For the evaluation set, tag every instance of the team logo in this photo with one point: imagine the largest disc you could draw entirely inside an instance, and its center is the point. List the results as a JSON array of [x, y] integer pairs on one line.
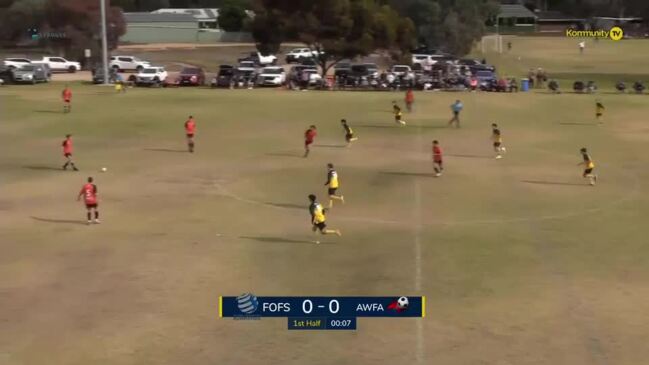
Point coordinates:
[[399, 305], [247, 303], [616, 33]]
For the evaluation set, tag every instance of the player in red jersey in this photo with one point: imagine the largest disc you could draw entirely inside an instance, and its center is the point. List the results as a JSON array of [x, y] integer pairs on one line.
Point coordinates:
[[66, 95], [89, 193], [190, 129], [67, 152], [437, 159], [309, 137]]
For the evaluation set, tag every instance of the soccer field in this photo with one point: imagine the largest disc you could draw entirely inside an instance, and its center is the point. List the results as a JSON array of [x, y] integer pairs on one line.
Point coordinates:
[[521, 261]]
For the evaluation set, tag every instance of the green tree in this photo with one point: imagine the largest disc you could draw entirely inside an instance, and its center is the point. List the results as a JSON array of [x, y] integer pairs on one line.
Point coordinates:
[[232, 16], [337, 29], [452, 25]]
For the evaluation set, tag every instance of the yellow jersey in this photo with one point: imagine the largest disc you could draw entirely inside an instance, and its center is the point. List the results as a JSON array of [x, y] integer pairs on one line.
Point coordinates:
[[496, 136], [588, 162], [332, 179], [317, 213]]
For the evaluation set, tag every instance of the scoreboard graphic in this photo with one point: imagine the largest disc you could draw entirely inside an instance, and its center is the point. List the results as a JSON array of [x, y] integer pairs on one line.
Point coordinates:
[[321, 313]]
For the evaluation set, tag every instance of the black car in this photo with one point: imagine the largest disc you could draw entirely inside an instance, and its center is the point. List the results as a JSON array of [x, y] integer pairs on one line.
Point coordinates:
[[6, 75], [225, 76], [342, 69]]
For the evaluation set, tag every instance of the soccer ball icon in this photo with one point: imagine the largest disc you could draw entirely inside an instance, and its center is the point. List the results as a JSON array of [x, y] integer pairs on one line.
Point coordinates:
[[402, 303]]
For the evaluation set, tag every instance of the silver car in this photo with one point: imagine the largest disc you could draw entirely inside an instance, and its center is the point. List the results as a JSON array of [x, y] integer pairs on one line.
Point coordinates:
[[30, 74]]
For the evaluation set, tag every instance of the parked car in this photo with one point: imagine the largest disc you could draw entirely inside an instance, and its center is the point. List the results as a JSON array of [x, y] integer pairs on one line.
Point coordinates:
[[403, 71], [61, 64], [6, 74], [128, 63], [271, 76], [191, 76], [151, 76], [225, 76], [29, 74], [248, 66], [294, 73], [342, 69], [258, 58], [314, 77], [486, 79], [373, 69], [298, 54], [98, 75], [12, 63], [46, 66]]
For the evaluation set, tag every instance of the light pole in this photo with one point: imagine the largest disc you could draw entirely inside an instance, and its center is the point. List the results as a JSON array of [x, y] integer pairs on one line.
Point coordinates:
[[104, 42]]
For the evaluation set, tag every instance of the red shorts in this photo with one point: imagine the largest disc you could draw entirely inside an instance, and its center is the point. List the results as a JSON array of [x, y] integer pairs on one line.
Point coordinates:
[[190, 135], [67, 101], [306, 143], [67, 154], [439, 161]]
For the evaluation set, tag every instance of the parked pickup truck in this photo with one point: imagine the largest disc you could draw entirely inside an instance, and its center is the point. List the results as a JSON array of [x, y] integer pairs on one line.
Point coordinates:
[[61, 64], [259, 59]]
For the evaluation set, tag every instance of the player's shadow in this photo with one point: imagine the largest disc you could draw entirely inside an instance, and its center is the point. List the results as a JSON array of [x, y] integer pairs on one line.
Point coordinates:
[[543, 182], [330, 145], [287, 205], [468, 156], [577, 123], [404, 173], [59, 221], [285, 154], [386, 126], [41, 168], [267, 239], [49, 111], [164, 150]]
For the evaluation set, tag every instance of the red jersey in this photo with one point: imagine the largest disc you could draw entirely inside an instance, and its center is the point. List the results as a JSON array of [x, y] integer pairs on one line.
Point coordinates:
[[310, 134], [67, 146], [437, 154], [410, 97], [89, 192], [67, 94], [190, 126]]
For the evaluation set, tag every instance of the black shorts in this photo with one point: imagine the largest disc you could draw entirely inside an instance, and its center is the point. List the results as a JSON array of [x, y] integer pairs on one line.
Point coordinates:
[[496, 144], [588, 171], [332, 191], [321, 226], [91, 205], [456, 114], [349, 136], [190, 135], [598, 114]]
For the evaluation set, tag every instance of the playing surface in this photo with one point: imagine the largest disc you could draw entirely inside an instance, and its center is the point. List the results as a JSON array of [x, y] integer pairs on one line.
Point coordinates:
[[521, 261]]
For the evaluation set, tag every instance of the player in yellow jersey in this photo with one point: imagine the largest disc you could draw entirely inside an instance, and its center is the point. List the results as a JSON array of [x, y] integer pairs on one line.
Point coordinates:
[[349, 132], [599, 110], [318, 218], [589, 165], [397, 114], [497, 139], [334, 184]]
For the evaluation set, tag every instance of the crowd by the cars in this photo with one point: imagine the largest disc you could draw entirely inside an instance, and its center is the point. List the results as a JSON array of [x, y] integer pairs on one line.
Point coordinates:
[[427, 70]]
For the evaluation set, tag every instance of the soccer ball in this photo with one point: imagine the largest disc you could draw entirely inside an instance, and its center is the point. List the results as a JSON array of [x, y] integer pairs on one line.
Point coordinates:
[[103, 169], [402, 303]]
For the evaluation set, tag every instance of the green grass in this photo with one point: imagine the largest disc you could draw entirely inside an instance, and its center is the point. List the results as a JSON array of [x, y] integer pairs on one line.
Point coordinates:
[[604, 61], [521, 261]]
